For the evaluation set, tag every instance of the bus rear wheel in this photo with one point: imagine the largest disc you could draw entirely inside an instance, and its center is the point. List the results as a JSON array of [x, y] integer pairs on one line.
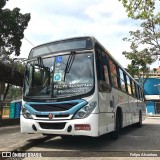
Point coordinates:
[[139, 124]]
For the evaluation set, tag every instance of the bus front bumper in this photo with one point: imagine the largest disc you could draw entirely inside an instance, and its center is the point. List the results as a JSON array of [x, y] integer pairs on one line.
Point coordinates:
[[84, 127]]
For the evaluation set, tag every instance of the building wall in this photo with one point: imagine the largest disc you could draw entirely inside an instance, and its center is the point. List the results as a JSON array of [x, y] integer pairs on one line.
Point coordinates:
[[151, 89], [150, 107], [149, 86]]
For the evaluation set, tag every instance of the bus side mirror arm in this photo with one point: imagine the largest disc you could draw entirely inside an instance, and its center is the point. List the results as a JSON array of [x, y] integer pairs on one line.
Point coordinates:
[[104, 87]]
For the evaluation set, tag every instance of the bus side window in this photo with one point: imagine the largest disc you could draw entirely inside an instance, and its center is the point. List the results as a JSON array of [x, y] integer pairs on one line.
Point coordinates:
[[142, 94], [105, 67], [113, 72], [133, 88], [100, 70], [137, 91], [122, 80], [129, 84]]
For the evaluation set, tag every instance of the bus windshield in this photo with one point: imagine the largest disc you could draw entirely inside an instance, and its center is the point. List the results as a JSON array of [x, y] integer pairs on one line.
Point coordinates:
[[59, 76]]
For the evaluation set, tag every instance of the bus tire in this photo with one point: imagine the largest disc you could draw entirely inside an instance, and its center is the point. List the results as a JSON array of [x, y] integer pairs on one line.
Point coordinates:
[[115, 134], [139, 124]]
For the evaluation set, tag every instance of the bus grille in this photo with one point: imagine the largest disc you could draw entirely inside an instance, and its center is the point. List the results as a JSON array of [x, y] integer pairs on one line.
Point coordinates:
[[52, 125], [52, 107], [56, 116]]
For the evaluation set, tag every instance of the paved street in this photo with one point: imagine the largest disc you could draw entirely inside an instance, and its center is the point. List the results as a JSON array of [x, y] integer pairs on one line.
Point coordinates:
[[11, 139], [131, 139]]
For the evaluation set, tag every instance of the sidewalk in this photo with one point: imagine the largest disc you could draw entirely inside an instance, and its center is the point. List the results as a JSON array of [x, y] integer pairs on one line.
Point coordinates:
[[157, 116], [11, 139]]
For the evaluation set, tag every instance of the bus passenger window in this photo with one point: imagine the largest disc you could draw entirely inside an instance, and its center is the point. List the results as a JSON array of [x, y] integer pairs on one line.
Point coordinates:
[[136, 90], [113, 71], [122, 80], [129, 85], [105, 68], [133, 89], [141, 94], [106, 75]]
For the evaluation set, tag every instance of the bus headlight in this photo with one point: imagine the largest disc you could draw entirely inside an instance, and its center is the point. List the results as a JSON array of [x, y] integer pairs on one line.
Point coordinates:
[[85, 111], [26, 113]]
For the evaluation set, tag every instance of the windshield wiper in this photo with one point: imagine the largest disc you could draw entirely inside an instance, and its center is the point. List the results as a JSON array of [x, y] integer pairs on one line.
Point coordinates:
[[40, 62], [69, 63]]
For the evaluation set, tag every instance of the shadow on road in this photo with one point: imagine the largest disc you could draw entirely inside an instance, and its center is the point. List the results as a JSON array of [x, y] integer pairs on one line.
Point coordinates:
[[85, 143], [131, 139]]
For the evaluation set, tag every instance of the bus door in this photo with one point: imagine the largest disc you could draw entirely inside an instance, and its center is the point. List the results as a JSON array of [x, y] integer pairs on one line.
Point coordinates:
[[105, 91]]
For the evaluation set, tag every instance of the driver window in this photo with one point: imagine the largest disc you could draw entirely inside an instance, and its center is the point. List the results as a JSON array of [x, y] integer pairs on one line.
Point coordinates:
[[100, 70], [102, 65]]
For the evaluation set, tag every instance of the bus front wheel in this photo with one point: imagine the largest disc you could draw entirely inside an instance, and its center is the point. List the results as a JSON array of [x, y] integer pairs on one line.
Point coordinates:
[[115, 134]]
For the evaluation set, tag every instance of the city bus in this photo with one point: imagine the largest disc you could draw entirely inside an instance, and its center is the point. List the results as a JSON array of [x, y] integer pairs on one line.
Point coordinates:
[[75, 87]]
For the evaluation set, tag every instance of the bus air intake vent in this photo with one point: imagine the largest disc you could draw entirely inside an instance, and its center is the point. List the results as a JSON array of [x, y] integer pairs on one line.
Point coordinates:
[[52, 125], [52, 107]]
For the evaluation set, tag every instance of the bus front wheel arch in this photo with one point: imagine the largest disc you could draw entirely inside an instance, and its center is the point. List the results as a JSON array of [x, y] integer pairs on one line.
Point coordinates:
[[118, 124]]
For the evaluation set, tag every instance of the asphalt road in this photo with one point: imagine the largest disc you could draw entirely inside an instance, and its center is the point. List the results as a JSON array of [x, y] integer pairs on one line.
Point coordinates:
[[11, 139], [132, 140]]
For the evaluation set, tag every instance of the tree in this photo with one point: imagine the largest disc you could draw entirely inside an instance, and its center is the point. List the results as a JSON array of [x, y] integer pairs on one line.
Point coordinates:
[[147, 37], [145, 41], [154, 69], [139, 64], [13, 24], [14, 93], [139, 9]]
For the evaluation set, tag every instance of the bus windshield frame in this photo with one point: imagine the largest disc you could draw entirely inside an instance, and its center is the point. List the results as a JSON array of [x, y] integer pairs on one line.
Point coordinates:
[[53, 66]]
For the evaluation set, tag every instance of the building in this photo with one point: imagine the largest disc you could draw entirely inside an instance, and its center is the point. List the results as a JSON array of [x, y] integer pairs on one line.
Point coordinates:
[[152, 95]]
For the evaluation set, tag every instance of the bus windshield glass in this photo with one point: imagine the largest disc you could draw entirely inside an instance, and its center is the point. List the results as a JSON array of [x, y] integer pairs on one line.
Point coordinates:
[[64, 45], [59, 76]]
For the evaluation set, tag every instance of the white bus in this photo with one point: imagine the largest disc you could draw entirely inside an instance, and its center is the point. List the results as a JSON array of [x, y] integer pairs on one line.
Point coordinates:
[[75, 87]]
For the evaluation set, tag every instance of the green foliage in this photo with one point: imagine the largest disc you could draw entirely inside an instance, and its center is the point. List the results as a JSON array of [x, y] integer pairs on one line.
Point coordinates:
[[139, 62], [13, 24], [14, 93], [147, 37], [145, 41], [154, 69], [19, 66], [139, 9]]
